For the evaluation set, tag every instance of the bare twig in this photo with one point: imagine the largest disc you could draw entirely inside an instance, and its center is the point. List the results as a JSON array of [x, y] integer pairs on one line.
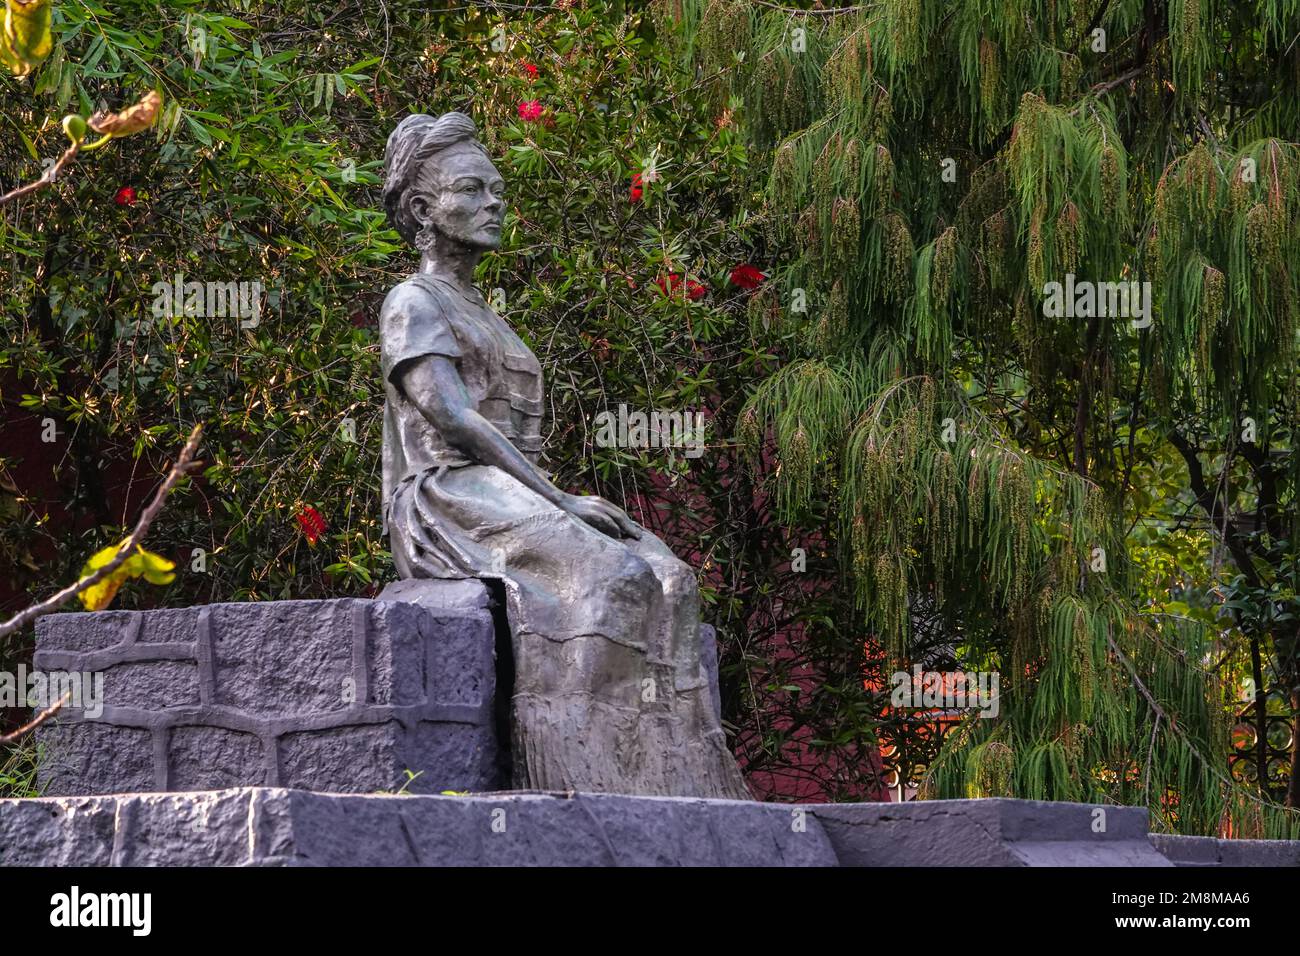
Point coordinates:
[[1120, 80], [184, 464], [36, 721], [47, 179]]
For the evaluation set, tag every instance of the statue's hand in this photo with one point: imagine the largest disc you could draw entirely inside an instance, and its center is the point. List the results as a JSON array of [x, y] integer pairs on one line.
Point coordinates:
[[605, 517]]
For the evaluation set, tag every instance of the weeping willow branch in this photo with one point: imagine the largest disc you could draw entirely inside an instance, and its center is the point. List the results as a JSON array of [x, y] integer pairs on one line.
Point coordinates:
[[1160, 714]]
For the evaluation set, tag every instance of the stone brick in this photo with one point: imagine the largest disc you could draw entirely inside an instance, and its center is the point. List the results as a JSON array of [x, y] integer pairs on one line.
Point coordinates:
[[277, 827], [274, 827], [451, 757], [282, 658], [152, 685], [91, 757], [992, 832], [1208, 851], [213, 758], [343, 759]]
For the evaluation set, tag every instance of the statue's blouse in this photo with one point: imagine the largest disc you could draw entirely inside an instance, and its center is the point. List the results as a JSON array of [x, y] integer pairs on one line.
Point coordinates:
[[429, 315]]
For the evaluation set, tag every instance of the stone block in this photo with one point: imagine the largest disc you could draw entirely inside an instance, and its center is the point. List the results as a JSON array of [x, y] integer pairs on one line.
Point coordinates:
[[277, 827], [994, 832], [93, 756], [339, 696], [1208, 851]]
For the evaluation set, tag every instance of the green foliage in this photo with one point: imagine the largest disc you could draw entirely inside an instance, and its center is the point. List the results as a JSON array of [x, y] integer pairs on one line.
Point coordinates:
[[988, 459]]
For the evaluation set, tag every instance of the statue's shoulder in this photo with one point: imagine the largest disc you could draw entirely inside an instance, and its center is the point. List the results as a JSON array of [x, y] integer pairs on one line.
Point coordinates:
[[414, 295]]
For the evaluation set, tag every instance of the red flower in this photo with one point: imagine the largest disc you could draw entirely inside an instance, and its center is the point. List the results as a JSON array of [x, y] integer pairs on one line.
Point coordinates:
[[125, 196], [694, 290], [529, 68], [746, 276], [636, 188], [530, 110], [312, 524], [667, 286]]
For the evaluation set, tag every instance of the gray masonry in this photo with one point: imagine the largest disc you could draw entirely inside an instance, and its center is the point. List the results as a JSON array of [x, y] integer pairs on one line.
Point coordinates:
[[263, 735], [276, 827], [336, 696]]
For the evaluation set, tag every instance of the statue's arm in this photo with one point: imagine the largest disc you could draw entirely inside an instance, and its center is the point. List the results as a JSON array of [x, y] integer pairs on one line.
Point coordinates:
[[434, 386]]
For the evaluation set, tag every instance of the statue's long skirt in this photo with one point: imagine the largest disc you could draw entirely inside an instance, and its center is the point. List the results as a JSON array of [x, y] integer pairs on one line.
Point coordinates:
[[609, 695]]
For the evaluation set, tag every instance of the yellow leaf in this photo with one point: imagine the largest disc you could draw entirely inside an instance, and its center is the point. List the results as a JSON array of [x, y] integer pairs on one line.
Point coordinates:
[[152, 567], [157, 569], [27, 40]]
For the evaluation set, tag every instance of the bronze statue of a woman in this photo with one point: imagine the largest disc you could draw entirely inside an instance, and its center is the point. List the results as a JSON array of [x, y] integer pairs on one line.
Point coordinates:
[[609, 690]]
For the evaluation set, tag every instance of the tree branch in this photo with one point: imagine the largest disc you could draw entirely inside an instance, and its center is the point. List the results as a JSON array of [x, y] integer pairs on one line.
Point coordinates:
[[183, 465], [36, 721], [1206, 498], [46, 179]]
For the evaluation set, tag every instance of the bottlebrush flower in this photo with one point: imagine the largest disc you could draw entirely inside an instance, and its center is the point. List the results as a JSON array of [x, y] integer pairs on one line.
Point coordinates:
[[669, 283], [125, 196], [673, 283], [530, 110], [312, 524], [746, 276], [529, 68], [636, 188]]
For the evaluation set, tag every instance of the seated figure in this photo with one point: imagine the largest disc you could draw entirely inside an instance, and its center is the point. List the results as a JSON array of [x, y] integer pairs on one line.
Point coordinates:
[[609, 692]]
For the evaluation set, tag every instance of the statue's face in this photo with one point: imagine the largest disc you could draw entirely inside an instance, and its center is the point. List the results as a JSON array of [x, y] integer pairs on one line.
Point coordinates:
[[462, 197]]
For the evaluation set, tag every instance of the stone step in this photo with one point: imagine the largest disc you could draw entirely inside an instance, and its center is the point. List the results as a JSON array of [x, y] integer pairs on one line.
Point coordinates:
[[279, 827], [1209, 851]]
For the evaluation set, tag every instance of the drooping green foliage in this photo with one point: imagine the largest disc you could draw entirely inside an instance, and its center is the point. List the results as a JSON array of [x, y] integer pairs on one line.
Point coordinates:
[[931, 169]]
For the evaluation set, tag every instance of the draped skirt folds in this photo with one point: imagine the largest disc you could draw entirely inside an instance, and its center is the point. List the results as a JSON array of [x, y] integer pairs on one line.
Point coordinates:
[[610, 695]]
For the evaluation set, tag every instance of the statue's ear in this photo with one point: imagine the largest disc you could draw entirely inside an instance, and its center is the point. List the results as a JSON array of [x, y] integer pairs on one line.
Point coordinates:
[[421, 208]]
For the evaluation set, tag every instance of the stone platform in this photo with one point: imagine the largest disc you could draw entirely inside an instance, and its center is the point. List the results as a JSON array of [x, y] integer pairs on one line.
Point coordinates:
[[276, 827]]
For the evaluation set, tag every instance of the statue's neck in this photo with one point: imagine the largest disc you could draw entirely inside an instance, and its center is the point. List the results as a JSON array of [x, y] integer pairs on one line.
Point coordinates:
[[451, 261]]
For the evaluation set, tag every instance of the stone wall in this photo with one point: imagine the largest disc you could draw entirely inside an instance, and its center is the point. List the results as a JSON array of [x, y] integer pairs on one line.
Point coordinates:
[[337, 696]]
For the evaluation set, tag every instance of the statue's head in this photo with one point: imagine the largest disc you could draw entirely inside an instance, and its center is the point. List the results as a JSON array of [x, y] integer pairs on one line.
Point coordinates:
[[439, 180]]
